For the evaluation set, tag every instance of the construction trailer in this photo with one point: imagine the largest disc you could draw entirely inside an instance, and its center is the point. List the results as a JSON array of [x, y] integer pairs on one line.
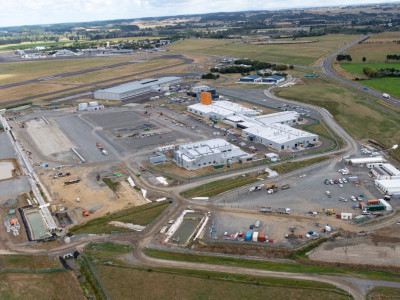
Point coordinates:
[[346, 216], [249, 235], [255, 236], [388, 207]]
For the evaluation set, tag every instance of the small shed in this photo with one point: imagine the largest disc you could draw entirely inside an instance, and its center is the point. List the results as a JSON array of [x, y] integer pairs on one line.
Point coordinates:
[[346, 216]]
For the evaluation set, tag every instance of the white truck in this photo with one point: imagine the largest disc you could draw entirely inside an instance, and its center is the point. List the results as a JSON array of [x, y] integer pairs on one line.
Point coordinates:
[[283, 210], [387, 96]]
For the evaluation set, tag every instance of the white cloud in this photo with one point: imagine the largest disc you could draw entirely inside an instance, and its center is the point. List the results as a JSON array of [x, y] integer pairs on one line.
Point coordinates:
[[23, 12]]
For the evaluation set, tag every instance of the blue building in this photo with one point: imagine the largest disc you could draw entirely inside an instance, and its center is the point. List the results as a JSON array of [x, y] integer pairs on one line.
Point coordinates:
[[274, 79], [250, 78]]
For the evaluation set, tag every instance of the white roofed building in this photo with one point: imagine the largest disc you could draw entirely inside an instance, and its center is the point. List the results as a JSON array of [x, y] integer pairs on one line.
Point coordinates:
[[192, 156], [389, 187], [280, 137]]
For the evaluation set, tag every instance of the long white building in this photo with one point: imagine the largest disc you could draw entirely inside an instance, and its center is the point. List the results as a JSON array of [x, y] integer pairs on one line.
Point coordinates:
[[280, 136], [389, 187], [192, 156]]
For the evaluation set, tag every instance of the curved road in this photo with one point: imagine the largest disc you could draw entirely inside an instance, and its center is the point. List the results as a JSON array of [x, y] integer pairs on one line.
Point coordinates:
[[328, 70]]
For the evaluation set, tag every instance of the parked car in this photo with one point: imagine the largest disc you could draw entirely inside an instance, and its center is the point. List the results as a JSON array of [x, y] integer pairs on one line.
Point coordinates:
[[359, 199], [342, 199], [353, 198], [336, 181], [340, 185], [340, 180], [344, 180]]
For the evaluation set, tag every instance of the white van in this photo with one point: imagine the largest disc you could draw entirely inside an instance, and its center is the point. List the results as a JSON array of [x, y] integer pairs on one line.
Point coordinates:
[[257, 224], [387, 96]]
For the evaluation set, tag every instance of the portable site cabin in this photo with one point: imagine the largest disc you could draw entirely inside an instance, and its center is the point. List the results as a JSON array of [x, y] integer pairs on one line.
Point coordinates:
[[255, 237], [249, 234], [346, 216]]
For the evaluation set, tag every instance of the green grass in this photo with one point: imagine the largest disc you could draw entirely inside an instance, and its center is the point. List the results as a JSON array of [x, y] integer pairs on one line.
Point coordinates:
[[390, 85], [301, 54], [357, 68], [290, 166], [140, 215], [272, 266], [219, 186], [188, 283], [113, 185], [383, 293]]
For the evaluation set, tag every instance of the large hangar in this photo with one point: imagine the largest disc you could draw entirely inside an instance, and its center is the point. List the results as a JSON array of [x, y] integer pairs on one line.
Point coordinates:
[[135, 88]]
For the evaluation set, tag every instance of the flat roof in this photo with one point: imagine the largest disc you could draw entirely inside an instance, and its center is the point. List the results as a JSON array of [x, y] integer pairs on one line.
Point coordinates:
[[234, 107], [392, 183], [139, 84], [366, 160], [392, 170], [279, 133], [211, 109], [278, 117]]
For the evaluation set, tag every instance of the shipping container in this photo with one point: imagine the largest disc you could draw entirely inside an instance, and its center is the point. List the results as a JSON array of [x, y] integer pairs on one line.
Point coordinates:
[[388, 207], [375, 207], [373, 202], [353, 178], [249, 234], [255, 236], [261, 237]]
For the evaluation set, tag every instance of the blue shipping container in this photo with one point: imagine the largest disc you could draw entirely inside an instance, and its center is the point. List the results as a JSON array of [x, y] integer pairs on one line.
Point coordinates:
[[249, 234]]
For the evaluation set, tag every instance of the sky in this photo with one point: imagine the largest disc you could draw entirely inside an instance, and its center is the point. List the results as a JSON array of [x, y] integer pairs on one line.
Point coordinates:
[[29, 12]]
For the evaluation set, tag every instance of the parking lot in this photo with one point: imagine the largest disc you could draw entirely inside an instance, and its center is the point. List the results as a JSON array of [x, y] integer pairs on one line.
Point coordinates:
[[275, 227], [307, 192]]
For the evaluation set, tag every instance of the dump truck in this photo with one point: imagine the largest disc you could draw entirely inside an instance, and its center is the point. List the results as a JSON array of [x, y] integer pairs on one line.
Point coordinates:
[[283, 210], [265, 209], [85, 212]]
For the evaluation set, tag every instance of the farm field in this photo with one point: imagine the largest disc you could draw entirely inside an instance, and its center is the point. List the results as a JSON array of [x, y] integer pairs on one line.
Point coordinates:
[[352, 111], [357, 68], [375, 50], [301, 54]]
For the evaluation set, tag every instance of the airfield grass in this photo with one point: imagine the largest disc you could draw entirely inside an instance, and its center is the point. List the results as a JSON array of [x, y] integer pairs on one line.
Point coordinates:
[[301, 54], [117, 72], [193, 284], [140, 215], [21, 71], [30, 277], [359, 117], [54, 85]]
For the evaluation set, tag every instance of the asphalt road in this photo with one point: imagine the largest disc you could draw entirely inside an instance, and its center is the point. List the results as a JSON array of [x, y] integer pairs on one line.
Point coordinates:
[[328, 70]]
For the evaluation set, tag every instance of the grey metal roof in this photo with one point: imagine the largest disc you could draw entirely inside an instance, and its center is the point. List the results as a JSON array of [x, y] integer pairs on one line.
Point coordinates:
[[139, 84]]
